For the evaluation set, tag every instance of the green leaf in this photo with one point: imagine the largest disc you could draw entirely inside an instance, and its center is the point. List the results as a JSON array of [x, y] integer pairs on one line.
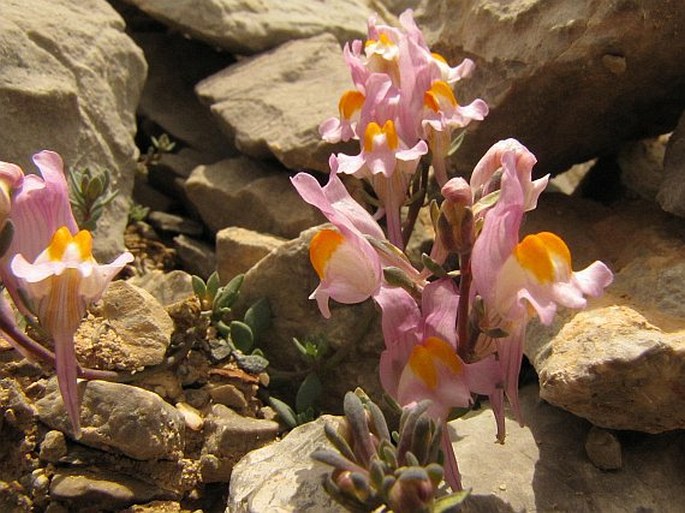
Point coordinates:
[[450, 503], [241, 335], [308, 393], [258, 317], [223, 329], [487, 201], [199, 286], [228, 294], [212, 285], [284, 411]]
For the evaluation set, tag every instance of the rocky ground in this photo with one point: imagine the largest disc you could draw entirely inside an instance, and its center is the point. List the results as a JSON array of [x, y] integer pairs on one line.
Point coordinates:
[[595, 89]]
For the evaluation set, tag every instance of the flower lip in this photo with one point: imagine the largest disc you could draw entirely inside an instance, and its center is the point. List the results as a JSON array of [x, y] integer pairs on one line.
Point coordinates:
[[350, 103], [427, 356], [545, 255], [322, 247], [375, 136]]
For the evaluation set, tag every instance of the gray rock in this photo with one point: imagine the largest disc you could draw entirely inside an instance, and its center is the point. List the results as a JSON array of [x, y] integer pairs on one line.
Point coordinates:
[[248, 26], [175, 224], [273, 103], [119, 418], [250, 194], [238, 249], [176, 64], [167, 288], [53, 447], [282, 477], [196, 256], [105, 490], [542, 467], [642, 166], [83, 75], [671, 194], [228, 437], [569, 80], [603, 449], [127, 330]]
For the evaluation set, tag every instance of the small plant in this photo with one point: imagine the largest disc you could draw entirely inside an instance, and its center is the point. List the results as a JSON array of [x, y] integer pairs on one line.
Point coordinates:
[[89, 194], [315, 354], [240, 336], [160, 145], [373, 469], [137, 213]]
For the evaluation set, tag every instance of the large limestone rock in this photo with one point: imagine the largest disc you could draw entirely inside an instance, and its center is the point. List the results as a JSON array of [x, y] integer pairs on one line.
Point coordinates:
[[571, 80], [119, 418], [250, 194], [282, 477], [541, 467], [251, 26], [273, 103], [238, 249], [70, 80], [621, 363]]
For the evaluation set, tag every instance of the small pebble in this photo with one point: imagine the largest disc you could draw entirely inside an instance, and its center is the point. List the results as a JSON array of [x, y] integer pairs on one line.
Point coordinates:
[[53, 447], [603, 449]]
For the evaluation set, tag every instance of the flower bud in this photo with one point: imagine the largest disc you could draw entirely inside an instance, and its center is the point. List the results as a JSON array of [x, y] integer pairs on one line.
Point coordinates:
[[455, 227], [413, 492]]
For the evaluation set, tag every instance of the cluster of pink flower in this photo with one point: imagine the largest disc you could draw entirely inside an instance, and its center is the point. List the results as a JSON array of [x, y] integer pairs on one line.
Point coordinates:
[[402, 98], [443, 342], [48, 267]]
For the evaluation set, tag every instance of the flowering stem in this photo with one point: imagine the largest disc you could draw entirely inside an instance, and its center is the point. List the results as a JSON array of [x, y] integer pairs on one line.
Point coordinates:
[[464, 346], [415, 206]]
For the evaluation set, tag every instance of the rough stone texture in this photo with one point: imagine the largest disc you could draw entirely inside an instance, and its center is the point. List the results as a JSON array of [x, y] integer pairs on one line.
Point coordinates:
[[168, 99], [70, 80], [286, 278], [543, 468], [282, 478], [104, 490], [167, 288], [196, 256], [228, 437], [250, 26], [642, 166], [120, 418], [128, 330], [540, 468], [273, 103], [671, 194], [603, 449], [251, 194], [238, 249], [571, 80], [621, 363]]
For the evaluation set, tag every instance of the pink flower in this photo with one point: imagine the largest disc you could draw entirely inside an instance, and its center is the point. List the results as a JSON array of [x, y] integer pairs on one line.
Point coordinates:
[[517, 280], [421, 362], [508, 153], [51, 265], [347, 265]]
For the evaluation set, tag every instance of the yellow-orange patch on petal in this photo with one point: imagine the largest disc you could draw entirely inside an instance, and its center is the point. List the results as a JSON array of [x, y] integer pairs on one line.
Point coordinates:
[[322, 247], [425, 358], [58, 245], [84, 242], [422, 365], [374, 130], [438, 57], [391, 134], [350, 102], [541, 254], [439, 93]]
